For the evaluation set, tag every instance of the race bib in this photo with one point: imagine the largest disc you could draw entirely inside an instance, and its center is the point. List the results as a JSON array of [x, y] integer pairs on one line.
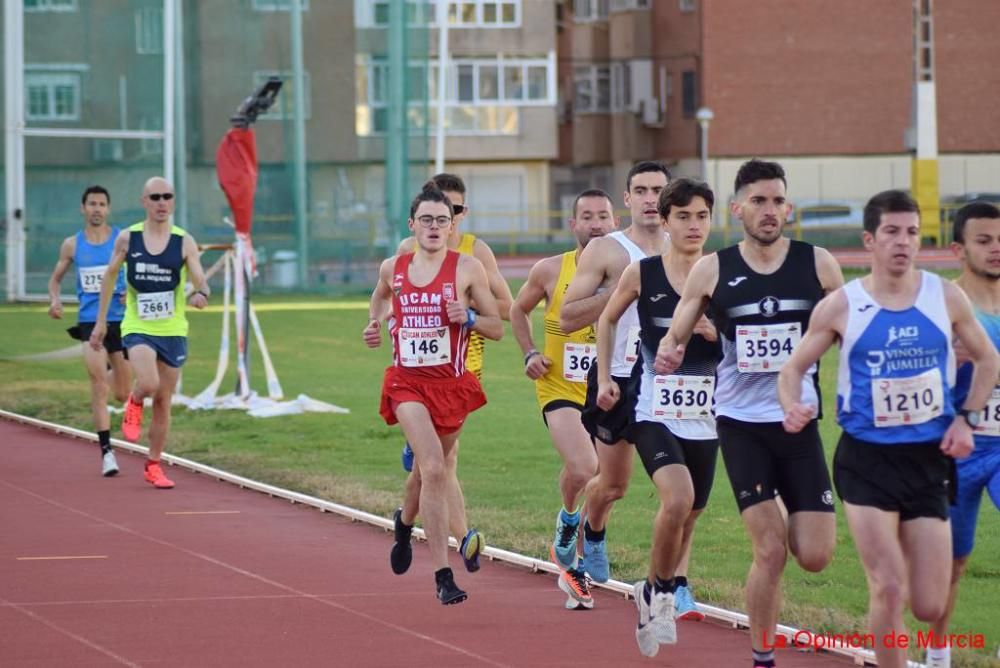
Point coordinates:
[[632, 344], [155, 305], [990, 425], [907, 401], [90, 278], [577, 360], [682, 397], [764, 348], [424, 346]]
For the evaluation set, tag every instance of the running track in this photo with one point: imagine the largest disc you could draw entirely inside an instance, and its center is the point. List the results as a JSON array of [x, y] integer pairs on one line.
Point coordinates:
[[211, 574]]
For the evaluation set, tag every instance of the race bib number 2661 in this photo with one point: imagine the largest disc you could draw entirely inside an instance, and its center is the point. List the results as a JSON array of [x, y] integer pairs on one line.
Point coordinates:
[[155, 305]]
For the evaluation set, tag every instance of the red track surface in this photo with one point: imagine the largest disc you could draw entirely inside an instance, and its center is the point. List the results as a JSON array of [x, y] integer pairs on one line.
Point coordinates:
[[209, 574]]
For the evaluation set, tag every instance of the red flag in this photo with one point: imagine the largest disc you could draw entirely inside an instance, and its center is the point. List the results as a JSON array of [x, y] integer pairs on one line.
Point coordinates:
[[236, 167]]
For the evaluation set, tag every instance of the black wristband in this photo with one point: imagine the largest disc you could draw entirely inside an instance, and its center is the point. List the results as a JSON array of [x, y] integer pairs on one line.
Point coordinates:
[[531, 353], [200, 292]]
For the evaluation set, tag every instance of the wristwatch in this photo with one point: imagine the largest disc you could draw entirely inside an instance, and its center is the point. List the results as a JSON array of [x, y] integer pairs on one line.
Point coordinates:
[[470, 314], [973, 418]]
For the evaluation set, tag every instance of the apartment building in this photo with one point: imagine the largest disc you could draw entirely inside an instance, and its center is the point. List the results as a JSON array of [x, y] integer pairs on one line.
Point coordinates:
[[824, 87]]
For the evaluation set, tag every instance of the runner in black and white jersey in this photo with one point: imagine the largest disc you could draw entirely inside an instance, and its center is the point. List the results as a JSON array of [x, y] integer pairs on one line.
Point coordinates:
[[762, 292], [674, 429], [600, 266]]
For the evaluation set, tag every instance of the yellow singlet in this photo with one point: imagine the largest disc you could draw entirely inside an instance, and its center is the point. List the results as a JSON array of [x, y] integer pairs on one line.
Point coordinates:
[[571, 354], [474, 356]]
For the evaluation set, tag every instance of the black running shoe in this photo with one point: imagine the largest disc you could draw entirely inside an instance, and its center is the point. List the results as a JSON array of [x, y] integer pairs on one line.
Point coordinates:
[[402, 552], [447, 591]]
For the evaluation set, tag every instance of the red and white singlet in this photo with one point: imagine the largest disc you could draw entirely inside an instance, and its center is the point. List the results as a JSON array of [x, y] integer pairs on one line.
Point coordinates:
[[424, 342]]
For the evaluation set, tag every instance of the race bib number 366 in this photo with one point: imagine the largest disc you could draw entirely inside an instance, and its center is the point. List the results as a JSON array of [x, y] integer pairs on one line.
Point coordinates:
[[424, 346], [682, 397], [90, 278], [905, 401], [155, 305], [764, 348], [577, 360]]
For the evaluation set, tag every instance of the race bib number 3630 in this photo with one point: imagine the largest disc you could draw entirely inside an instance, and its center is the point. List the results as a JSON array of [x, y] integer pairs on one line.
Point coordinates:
[[764, 348], [577, 360], [424, 346], [905, 401], [90, 278], [682, 397], [155, 305]]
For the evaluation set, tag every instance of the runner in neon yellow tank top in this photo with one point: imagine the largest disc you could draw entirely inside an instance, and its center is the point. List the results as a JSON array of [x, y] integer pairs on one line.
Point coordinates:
[[454, 188], [159, 258], [560, 375]]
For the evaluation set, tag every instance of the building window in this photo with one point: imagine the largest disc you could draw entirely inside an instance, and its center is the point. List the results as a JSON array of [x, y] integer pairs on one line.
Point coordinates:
[[50, 5], [590, 10], [108, 150], [52, 96], [687, 5], [151, 146], [460, 13], [149, 30], [625, 5], [277, 5], [621, 87], [482, 95], [689, 93], [283, 108], [592, 89]]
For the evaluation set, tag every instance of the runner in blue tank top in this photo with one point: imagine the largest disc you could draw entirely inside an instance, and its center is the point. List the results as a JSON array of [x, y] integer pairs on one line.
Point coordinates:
[[977, 243], [893, 467], [90, 251]]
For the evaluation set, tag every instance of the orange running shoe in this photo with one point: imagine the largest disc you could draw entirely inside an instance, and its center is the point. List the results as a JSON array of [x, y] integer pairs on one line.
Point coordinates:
[[132, 422], [574, 583], [156, 477]]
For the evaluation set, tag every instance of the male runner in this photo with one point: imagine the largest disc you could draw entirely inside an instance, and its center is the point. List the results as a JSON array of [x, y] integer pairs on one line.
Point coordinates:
[[761, 292], [560, 374], [428, 389], [90, 250], [893, 467], [601, 265], [674, 430], [976, 242], [470, 541], [158, 258]]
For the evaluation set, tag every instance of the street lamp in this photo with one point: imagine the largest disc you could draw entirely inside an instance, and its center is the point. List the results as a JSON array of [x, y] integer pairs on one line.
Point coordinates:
[[704, 116]]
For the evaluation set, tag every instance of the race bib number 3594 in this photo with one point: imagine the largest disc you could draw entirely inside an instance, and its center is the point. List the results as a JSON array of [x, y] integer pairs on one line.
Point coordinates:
[[424, 346], [577, 360], [907, 401], [682, 397], [765, 348], [155, 305]]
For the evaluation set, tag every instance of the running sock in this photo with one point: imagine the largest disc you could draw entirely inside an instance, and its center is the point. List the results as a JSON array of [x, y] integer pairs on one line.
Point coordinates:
[[681, 580], [592, 535], [664, 586], [570, 517], [647, 592], [763, 659], [150, 462], [940, 654], [442, 573], [104, 438]]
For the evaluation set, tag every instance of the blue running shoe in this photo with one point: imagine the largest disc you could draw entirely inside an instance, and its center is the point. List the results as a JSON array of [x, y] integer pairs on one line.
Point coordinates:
[[564, 545], [685, 606], [406, 457], [595, 560], [472, 546]]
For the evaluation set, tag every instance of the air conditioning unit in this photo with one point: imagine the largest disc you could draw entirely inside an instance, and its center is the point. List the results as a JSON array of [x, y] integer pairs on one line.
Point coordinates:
[[649, 111]]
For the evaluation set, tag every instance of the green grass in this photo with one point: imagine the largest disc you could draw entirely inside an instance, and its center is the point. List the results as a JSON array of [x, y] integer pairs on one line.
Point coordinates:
[[508, 466]]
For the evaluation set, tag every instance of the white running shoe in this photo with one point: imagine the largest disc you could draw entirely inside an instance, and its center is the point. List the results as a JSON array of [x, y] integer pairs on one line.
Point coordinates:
[[109, 465], [661, 611], [645, 635]]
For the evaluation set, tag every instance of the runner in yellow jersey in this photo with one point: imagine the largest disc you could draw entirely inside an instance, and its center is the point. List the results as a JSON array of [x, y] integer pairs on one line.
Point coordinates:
[[471, 543], [560, 374]]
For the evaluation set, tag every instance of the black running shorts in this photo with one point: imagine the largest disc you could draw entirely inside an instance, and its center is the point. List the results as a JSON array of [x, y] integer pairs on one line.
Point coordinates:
[[613, 425], [764, 461], [112, 339], [658, 447], [913, 480]]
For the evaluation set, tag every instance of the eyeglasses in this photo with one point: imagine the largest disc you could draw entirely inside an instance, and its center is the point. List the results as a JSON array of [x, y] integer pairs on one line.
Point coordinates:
[[427, 221], [156, 197], [458, 209]]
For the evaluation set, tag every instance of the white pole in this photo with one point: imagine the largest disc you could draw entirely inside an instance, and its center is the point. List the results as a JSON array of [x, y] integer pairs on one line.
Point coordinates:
[[168, 90], [442, 19], [179, 125], [14, 145]]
